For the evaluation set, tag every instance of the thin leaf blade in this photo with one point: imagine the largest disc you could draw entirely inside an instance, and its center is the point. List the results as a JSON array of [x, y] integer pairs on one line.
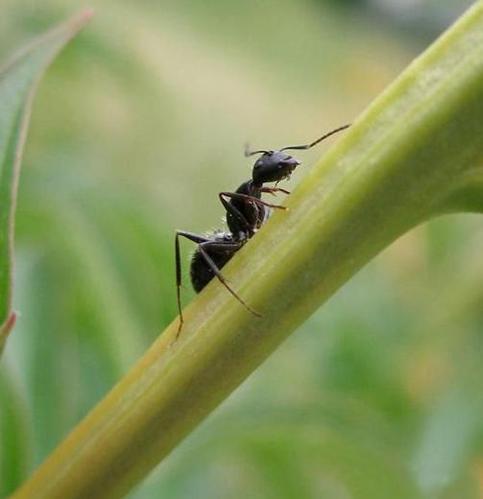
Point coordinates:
[[18, 81]]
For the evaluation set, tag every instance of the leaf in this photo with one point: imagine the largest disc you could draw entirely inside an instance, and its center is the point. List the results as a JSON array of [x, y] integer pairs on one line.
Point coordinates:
[[18, 81], [14, 448]]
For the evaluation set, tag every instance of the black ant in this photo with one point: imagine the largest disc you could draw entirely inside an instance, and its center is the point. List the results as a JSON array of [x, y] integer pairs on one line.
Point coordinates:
[[245, 214]]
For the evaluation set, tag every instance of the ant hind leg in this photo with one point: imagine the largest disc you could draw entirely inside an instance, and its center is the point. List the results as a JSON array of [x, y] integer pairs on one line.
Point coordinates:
[[223, 246], [196, 239]]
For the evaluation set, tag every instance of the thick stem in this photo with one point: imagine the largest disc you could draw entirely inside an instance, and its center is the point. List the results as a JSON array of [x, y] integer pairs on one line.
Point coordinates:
[[397, 166]]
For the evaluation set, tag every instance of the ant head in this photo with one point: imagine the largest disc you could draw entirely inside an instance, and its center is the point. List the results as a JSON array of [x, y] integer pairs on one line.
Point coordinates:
[[273, 166]]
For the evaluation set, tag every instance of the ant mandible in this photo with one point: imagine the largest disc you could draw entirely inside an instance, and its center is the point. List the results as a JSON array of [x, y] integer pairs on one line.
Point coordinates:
[[245, 214]]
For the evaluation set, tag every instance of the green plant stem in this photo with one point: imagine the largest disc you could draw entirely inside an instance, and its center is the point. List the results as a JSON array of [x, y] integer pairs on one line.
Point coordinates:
[[411, 156]]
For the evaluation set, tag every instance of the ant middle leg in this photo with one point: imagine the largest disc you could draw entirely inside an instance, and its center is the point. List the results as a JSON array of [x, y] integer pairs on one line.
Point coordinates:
[[238, 195], [273, 190], [243, 223], [236, 213]]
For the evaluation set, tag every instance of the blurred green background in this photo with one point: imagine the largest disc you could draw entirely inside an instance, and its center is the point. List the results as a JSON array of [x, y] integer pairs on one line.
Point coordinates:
[[136, 128]]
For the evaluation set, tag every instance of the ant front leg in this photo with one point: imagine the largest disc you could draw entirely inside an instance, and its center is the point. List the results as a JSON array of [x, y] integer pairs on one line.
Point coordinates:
[[196, 239]]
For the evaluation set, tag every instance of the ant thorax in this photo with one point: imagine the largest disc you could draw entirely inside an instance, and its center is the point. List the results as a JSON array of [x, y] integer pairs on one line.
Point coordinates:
[[219, 235]]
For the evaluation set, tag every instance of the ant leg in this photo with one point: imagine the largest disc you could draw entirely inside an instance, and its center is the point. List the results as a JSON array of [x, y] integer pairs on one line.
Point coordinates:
[[273, 190], [235, 212], [196, 239], [222, 246], [237, 195]]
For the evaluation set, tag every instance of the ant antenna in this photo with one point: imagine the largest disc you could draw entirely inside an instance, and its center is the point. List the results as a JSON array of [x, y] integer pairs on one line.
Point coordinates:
[[315, 142], [251, 153]]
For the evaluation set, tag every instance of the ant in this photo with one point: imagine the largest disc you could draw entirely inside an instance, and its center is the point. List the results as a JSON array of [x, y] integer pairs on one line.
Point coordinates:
[[245, 214]]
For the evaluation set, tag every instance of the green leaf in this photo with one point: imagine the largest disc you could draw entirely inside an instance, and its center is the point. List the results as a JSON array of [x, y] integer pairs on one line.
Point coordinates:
[[18, 81], [14, 448]]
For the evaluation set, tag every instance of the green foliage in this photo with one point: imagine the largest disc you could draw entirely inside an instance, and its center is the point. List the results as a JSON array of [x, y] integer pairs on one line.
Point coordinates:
[[18, 81], [17, 84], [134, 132]]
